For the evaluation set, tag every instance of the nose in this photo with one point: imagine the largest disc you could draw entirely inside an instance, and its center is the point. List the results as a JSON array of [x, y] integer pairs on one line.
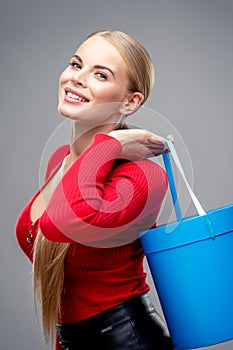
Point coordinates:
[[80, 77]]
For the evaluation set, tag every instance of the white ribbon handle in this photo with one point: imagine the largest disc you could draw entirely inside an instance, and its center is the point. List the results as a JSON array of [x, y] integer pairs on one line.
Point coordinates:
[[196, 202], [176, 159]]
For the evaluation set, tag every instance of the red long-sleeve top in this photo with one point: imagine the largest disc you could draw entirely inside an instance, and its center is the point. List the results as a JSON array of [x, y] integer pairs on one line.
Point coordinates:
[[99, 206]]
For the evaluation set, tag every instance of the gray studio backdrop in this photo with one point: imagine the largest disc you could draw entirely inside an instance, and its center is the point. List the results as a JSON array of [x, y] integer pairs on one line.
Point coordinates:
[[191, 44]]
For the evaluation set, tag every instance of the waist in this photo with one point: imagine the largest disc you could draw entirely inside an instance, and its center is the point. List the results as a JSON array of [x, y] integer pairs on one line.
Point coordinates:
[[107, 319], [90, 287]]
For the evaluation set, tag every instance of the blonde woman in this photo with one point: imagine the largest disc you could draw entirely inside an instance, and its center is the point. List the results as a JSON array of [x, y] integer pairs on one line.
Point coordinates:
[[80, 230]]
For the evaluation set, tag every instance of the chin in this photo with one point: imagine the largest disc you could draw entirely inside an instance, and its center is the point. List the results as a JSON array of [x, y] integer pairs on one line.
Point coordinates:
[[67, 113]]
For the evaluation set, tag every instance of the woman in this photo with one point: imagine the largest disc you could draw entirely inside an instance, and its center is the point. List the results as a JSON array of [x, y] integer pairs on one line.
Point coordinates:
[[80, 229]]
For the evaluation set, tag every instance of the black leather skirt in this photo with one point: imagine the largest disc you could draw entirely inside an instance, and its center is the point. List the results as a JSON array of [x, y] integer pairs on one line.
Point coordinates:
[[134, 325]]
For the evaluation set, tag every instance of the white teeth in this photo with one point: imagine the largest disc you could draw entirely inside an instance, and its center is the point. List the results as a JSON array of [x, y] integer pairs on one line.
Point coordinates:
[[76, 97]]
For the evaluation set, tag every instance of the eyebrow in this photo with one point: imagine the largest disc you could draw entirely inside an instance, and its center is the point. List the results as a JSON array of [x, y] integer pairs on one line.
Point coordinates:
[[96, 66]]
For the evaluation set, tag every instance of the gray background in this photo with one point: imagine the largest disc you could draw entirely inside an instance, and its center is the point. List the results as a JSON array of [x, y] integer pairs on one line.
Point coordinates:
[[191, 44]]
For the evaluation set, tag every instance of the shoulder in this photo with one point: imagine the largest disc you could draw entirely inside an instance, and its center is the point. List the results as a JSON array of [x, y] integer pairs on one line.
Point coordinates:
[[146, 171], [148, 181], [55, 159], [152, 168], [148, 166]]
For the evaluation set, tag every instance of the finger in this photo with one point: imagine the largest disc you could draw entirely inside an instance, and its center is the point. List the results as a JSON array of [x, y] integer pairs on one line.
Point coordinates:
[[171, 137], [156, 143], [156, 151], [159, 146]]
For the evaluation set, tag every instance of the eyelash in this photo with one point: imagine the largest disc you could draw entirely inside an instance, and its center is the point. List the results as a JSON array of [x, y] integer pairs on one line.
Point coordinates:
[[101, 75], [74, 64]]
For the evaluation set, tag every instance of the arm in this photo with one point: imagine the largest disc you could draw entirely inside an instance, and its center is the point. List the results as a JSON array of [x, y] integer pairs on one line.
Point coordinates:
[[94, 201]]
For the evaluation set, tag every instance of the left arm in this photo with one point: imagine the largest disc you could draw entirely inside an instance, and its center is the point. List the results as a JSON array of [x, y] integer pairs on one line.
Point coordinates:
[[94, 202]]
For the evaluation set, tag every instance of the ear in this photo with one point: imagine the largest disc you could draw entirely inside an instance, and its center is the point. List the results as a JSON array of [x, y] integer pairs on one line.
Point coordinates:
[[133, 102]]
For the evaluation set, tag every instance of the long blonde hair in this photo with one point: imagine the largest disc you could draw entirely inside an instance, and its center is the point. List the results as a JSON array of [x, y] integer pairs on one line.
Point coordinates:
[[48, 275], [49, 257]]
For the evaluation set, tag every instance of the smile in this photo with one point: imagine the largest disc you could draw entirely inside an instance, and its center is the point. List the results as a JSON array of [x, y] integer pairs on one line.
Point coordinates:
[[76, 96]]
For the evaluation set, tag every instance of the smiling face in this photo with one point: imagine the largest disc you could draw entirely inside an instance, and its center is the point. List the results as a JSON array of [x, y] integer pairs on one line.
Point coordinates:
[[97, 75]]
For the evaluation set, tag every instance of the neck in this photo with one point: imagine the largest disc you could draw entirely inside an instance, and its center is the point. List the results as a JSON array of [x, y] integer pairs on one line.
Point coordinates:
[[82, 137]]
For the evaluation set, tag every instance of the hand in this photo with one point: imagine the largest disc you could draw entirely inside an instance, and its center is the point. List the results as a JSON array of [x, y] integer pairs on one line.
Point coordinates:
[[140, 144]]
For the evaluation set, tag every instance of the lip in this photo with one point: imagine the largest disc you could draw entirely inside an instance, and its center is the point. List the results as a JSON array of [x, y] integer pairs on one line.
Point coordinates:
[[77, 93]]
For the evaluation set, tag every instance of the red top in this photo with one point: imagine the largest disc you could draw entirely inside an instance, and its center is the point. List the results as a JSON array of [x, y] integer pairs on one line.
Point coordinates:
[[100, 205]]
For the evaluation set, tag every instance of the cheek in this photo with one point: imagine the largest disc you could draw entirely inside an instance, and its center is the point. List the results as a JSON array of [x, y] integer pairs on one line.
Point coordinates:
[[62, 80], [107, 92], [63, 77]]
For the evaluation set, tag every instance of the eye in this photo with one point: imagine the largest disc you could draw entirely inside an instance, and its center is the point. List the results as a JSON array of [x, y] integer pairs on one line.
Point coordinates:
[[76, 65], [101, 75]]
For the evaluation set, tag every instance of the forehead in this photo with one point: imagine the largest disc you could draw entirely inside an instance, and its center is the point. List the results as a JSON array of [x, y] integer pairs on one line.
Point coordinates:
[[96, 50]]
